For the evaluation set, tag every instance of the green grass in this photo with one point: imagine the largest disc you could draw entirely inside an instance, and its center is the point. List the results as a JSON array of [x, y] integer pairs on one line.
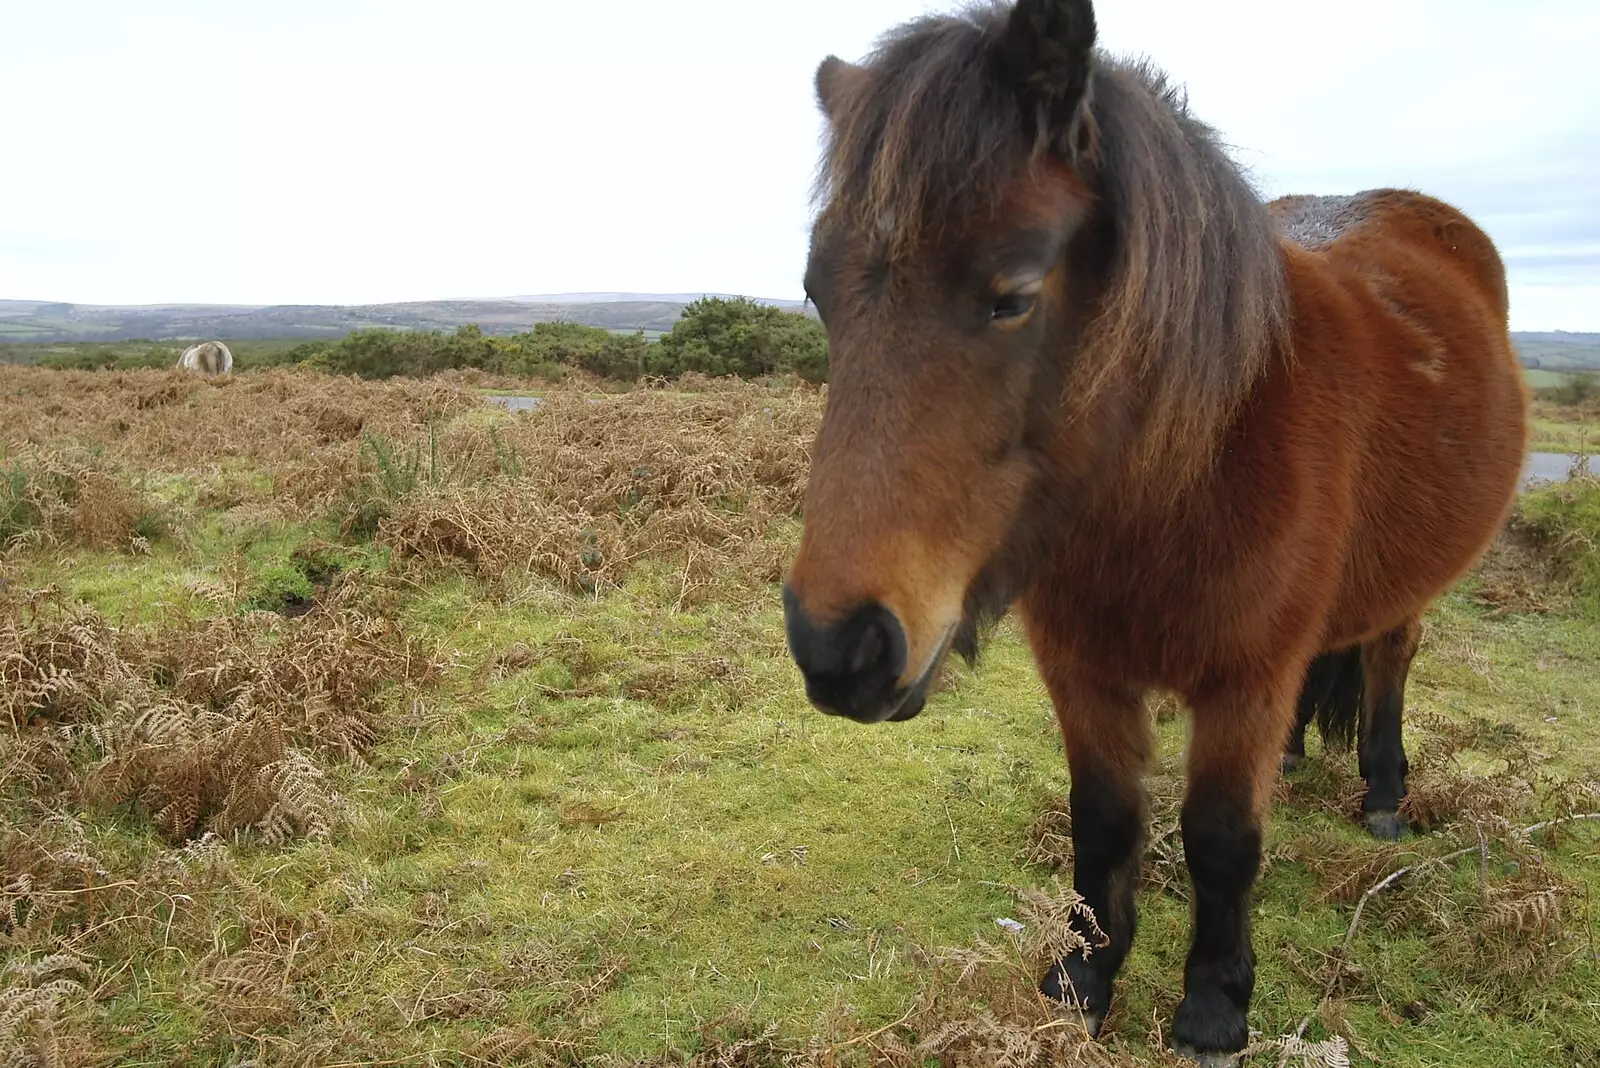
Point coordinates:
[[728, 846], [614, 818]]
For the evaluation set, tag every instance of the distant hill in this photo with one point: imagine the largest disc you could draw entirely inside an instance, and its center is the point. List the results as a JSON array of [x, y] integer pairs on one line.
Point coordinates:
[[46, 321], [1558, 350], [670, 298], [22, 320]]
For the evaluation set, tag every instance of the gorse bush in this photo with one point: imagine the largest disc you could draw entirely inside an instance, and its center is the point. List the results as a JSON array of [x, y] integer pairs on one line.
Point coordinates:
[[740, 337], [112, 358], [546, 351], [393, 472], [1577, 388]]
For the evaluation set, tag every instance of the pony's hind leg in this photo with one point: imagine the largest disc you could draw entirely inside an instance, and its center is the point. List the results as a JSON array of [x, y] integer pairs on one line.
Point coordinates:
[[1320, 679], [1232, 764], [1385, 662], [1107, 738]]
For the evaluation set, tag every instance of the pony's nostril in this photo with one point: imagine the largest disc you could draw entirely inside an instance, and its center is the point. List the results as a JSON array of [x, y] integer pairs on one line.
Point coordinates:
[[871, 647]]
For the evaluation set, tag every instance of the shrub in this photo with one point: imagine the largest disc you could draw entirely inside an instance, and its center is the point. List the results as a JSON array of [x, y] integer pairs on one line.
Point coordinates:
[[1577, 388], [546, 352], [109, 358], [740, 337]]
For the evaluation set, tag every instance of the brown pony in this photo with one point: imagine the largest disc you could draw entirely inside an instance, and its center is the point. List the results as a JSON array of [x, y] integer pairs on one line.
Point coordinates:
[[1202, 444]]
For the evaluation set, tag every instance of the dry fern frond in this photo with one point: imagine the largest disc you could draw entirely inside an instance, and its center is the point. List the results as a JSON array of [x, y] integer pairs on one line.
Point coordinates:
[[209, 725], [1290, 1050], [30, 1008], [248, 990]]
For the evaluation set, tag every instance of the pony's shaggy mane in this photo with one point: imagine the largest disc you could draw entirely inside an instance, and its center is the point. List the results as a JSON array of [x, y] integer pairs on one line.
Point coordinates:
[[1196, 301]]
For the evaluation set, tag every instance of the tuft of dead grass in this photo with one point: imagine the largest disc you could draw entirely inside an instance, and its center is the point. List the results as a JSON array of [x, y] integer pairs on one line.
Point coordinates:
[[1516, 576], [70, 495], [582, 489], [204, 726]]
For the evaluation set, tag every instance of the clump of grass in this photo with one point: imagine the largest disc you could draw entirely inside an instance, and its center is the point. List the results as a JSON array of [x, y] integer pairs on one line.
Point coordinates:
[[73, 496], [279, 586], [287, 571], [19, 511], [1564, 521]]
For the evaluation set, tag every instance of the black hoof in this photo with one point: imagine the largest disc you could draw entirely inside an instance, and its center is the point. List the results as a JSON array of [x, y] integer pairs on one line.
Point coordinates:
[[1208, 1024], [1385, 826], [1290, 762], [1079, 990]]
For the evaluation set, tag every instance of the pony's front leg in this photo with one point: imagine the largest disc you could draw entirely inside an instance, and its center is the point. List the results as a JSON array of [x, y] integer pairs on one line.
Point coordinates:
[[1232, 762], [1107, 738]]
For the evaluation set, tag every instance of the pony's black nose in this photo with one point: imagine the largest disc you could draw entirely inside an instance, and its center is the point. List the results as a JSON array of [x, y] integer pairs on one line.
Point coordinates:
[[852, 668]]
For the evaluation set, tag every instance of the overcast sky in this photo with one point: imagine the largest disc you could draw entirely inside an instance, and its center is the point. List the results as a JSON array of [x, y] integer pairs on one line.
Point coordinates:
[[333, 151]]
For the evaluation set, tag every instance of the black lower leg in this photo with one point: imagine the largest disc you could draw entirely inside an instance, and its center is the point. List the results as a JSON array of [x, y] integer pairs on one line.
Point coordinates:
[[1294, 754], [1382, 753], [1222, 846], [1383, 765], [1107, 833]]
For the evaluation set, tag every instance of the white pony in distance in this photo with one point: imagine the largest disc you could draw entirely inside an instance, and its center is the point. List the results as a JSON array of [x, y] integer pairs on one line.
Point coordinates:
[[208, 357]]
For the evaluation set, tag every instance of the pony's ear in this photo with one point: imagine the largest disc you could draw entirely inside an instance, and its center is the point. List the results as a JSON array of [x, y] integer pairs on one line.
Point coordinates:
[[1047, 52], [836, 81]]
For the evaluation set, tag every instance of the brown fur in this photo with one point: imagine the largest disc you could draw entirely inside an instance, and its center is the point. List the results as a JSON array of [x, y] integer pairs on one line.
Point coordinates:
[[1230, 435]]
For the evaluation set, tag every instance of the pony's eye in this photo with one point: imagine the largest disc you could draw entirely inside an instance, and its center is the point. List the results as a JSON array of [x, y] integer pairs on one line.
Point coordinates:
[[1012, 308]]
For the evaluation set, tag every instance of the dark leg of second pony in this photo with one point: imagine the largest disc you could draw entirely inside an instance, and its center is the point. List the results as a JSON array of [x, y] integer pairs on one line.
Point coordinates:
[[1333, 688], [1362, 687], [1385, 662]]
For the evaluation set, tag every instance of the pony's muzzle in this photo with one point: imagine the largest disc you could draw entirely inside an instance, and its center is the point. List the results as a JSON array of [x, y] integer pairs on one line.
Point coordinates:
[[852, 667]]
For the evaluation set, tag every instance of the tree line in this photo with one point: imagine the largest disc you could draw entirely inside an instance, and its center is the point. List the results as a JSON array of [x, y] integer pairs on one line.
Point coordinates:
[[714, 336]]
